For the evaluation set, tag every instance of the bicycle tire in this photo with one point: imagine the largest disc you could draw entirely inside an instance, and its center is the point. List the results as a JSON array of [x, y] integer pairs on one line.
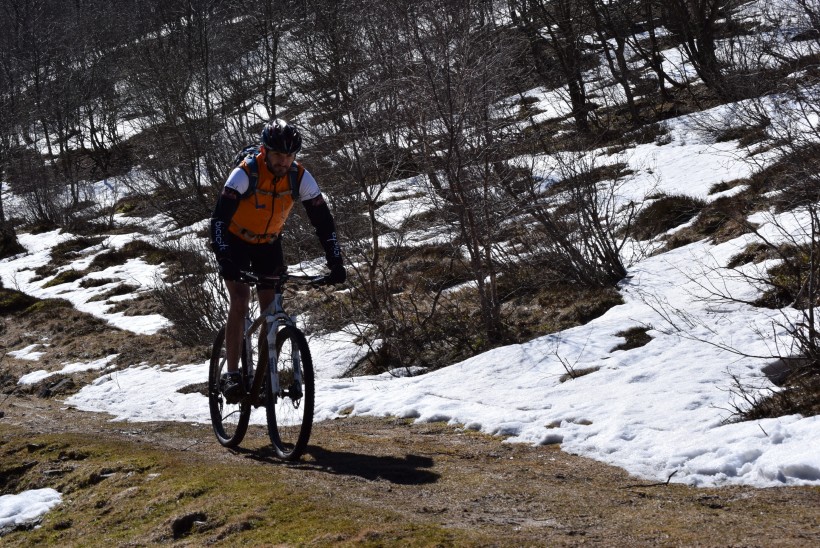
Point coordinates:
[[230, 421], [290, 418]]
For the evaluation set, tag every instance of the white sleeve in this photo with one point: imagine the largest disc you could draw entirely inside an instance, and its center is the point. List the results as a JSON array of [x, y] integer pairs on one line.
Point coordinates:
[[308, 188], [238, 180]]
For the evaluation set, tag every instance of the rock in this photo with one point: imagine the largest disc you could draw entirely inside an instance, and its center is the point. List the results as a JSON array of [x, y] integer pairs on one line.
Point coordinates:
[[183, 525]]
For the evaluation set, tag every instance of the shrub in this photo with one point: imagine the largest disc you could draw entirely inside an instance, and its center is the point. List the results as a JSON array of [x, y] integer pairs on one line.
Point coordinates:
[[665, 214], [64, 251], [788, 280], [798, 382], [13, 301], [65, 277], [132, 250], [792, 283], [191, 296]]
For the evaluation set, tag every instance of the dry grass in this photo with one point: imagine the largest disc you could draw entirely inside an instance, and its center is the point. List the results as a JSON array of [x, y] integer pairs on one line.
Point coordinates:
[[13, 301], [798, 392], [132, 250], [534, 307], [720, 220], [635, 337], [665, 214], [725, 218], [66, 335]]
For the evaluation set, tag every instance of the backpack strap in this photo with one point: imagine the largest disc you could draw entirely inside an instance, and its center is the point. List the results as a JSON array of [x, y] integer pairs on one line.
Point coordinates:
[[253, 173], [295, 175], [295, 179]]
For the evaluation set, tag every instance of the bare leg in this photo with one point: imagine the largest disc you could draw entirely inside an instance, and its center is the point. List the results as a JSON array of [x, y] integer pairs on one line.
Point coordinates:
[[265, 298], [240, 296]]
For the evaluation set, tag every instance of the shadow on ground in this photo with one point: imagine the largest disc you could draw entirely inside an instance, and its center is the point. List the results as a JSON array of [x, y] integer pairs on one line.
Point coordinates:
[[407, 470]]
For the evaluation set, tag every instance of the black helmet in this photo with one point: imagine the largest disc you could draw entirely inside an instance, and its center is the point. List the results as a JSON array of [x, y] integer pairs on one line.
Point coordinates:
[[279, 136]]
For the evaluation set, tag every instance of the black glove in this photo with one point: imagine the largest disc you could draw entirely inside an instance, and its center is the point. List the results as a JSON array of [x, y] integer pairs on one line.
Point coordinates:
[[227, 268], [337, 275]]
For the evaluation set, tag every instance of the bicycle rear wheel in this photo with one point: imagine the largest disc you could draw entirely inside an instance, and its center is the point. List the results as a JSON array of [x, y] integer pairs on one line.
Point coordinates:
[[290, 409], [230, 420]]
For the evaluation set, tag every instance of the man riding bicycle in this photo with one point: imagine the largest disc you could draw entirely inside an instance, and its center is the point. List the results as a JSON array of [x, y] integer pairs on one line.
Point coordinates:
[[246, 227]]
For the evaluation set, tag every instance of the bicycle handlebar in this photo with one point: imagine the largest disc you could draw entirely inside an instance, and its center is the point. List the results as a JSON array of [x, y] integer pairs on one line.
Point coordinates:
[[278, 281]]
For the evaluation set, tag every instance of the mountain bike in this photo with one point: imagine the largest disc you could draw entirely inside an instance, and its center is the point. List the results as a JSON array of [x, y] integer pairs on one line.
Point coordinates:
[[276, 372]]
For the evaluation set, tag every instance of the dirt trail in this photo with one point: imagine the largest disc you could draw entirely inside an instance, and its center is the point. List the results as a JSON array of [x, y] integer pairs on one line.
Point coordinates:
[[463, 482]]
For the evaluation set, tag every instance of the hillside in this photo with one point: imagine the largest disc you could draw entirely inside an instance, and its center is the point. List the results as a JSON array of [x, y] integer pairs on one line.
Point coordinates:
[[563, 255]]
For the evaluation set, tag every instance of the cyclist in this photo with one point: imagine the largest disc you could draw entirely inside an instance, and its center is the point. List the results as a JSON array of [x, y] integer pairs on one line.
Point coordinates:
[[246, 230]]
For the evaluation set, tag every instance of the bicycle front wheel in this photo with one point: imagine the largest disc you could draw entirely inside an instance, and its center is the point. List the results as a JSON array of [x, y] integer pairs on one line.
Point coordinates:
[[290, 407], [230, 420]]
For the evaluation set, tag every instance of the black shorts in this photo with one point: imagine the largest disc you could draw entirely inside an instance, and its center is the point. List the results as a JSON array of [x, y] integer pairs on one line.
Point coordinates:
[[261, 259]]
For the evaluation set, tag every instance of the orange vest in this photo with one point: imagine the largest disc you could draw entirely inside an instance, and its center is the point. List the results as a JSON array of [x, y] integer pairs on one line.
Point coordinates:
[[261, 214]]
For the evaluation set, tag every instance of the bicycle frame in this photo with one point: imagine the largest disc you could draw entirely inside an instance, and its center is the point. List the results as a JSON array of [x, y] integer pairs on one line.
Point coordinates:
[[286, 389], [276, 318]]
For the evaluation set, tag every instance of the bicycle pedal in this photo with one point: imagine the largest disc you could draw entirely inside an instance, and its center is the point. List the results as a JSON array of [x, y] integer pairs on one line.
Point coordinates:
[[230, 386]]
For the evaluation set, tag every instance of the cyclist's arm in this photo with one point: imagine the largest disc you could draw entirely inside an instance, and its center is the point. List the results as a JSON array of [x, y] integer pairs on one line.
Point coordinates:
[[235, 187], [320, 217]]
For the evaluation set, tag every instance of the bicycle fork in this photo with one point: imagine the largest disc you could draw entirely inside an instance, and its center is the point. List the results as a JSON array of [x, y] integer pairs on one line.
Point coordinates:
[[294, 391], [273, 373], [247, 340]]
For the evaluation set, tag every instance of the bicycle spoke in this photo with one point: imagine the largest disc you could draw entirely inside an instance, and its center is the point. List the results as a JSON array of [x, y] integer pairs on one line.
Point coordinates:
[[290, 413], [232, 413], [230, 421]]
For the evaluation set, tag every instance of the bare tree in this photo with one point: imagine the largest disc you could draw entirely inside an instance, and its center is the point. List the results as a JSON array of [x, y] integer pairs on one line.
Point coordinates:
[[464, 65], [171, 105], [649, 49], [698, 24], [567, 24], [811, 9], [10, 97], [613, 21], [347, 73], [52, 98]]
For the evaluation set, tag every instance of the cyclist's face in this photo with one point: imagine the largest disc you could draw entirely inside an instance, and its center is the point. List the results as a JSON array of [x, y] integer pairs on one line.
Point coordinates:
[[278, 162]]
